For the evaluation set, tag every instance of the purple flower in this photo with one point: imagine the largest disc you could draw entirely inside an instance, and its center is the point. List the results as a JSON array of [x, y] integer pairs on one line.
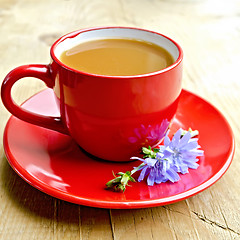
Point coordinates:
[[157, 169], [150, 135], [175, 156], [182, 151]]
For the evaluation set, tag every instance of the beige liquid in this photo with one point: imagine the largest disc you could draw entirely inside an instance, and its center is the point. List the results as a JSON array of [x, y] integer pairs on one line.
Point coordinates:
[[117, 57]]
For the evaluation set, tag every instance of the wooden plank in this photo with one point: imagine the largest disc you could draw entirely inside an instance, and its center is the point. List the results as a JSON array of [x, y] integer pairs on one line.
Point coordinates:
[[66, 220], [95, 224], [25, 212], [209, 33], [142, 224]]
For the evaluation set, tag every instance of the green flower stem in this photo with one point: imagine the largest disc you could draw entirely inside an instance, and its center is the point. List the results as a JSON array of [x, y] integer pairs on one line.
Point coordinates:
[[120, 182], [194, 133], [137, 168]]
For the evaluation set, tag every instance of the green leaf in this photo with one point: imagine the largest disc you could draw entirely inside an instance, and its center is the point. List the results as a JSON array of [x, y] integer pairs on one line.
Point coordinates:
[[194, 133], [148, 152], [120, 173], [125, 179], [132, 179]]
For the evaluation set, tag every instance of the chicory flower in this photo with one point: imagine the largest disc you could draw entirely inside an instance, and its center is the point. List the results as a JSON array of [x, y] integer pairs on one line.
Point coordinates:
[[182, 151], [165, 162], [175, 156], [157, 169]]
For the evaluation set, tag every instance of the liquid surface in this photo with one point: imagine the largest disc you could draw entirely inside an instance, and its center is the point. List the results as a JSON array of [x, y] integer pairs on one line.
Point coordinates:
[[117, 57]]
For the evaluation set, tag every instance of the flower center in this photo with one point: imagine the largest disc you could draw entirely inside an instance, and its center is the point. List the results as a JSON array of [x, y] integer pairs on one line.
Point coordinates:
[[176, 153]]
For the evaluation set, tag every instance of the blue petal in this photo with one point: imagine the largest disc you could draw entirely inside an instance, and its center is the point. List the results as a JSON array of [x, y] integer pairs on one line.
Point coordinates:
[[137, 158], [192, 165], [190, 146], [167, 153], [172, 175], [151, 178], [183, 169], [150, 161], [160, 178], [176, 138], [166, 141], [184, 140], [191, 154], [142, 174]]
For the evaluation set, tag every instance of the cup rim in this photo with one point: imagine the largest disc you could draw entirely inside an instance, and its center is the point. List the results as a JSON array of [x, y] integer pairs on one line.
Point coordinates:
[[77, 32]]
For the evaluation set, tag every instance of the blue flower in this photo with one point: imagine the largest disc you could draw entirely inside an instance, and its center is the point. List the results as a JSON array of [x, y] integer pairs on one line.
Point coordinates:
[[182, 151], [157, 169], [175, 156]]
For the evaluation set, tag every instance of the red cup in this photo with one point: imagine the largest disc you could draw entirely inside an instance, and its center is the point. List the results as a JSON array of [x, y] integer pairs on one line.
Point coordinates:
[[111, 117]]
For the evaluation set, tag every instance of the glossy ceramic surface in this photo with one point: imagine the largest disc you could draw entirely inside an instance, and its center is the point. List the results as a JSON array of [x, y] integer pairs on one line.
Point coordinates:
[[101, 113], [53, 163]]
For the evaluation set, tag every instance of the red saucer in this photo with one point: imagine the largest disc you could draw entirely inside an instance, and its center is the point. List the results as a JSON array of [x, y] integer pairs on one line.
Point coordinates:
[[54, 164]]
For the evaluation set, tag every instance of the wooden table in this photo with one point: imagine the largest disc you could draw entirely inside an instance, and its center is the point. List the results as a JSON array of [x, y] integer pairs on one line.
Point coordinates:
[[209, 33]]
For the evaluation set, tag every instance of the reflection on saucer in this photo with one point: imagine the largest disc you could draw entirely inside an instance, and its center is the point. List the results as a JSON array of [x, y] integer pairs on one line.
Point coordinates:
[[55, 164]]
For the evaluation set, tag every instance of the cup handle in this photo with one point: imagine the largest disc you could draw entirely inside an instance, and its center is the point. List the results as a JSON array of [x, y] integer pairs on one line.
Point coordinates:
[[42, 72]]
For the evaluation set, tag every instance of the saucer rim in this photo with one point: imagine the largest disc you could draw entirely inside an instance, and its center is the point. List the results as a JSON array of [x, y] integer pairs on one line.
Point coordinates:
[[116, 204]]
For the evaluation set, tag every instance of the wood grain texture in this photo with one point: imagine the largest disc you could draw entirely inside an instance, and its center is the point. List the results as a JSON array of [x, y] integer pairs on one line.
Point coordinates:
[[209, 33]]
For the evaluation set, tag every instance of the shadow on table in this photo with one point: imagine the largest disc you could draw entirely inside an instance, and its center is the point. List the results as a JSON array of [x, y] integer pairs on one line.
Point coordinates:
[[34, 202], [64, 217]]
